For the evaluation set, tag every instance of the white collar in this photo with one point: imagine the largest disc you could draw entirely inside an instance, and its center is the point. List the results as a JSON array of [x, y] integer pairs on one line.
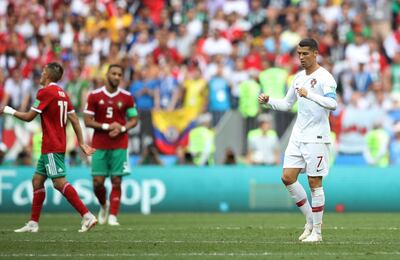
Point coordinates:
[[111, 95]]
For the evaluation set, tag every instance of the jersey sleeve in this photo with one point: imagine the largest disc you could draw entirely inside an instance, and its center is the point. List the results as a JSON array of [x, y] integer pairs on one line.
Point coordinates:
[[285, 103], [42, 101], [131, 110], [329, 87], [89, 109]]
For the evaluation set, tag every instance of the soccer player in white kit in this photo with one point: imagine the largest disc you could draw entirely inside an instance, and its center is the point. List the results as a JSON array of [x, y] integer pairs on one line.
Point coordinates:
[[308, 149]]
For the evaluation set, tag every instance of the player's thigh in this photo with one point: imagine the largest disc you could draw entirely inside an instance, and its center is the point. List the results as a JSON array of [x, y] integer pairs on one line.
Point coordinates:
[[317, 158], [51, 165], [119, 165], [100, 163], [293, 157], [40, 167]]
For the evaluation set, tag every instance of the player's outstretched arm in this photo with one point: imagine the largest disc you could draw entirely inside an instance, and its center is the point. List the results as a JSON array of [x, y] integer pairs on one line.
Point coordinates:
[[24, 116], [73, 118], [283, 104]]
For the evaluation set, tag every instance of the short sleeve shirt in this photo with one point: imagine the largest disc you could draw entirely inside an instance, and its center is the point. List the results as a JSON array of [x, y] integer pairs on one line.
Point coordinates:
[[108, 108], [53, 105]]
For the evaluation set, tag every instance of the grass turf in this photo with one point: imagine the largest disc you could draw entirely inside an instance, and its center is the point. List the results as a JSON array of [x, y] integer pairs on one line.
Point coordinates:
[[195, 236]]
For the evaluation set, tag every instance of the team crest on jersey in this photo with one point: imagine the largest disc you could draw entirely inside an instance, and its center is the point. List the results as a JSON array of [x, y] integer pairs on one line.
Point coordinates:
[[313, 83], [119, 104], [101, 102]]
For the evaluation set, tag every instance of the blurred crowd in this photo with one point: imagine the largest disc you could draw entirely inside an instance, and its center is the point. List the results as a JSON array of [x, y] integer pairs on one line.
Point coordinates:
[[213, 56]]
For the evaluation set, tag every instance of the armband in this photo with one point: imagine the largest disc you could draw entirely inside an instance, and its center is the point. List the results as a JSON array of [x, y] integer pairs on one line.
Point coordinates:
[[9, 110], [105, 126], [123, 129]]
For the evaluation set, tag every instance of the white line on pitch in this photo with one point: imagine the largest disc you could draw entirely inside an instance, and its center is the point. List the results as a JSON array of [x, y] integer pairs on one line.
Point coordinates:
[[234, 228], [205, 254], [198, 242]]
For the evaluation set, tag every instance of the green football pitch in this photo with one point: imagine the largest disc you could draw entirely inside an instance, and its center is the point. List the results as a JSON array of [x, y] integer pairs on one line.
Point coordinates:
[[203, 236]]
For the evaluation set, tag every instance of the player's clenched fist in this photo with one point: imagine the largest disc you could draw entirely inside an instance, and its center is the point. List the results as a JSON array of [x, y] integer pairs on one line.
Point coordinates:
[[302, 92], [263, 99]]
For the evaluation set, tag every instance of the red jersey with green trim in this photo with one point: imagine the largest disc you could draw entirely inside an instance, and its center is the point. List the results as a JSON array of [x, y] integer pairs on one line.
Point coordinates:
[[109, 107], [53, 105]]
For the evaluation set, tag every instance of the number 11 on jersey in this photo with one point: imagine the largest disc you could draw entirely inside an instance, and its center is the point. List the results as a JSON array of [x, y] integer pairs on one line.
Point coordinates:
[[63, 112]]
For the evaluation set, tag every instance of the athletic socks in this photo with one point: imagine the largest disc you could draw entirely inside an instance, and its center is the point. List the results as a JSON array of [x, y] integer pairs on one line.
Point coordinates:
[[115, 199], [37, 203], [299, 195], [72, 196], [318, 202]]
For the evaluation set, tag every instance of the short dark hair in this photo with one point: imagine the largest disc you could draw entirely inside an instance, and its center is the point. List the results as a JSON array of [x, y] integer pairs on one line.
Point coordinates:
[[55, 71], [115, 66], [309, 42]]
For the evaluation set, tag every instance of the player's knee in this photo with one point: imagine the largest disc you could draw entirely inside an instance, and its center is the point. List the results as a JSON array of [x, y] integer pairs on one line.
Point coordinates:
[[97, 184], [116, 182], [58, 186], [37, 184], [314, 182], [287, 180]]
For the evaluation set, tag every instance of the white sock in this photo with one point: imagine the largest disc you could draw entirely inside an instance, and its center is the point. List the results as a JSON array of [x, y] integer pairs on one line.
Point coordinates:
[[87, 215], [299, 196], [318, 202]]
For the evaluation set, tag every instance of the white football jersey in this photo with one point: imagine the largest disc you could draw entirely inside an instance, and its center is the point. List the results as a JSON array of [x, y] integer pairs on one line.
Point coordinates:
[[312, 123]]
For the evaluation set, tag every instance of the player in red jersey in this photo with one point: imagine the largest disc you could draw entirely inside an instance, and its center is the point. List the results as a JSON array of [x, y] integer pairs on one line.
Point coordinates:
[[54, 107], [107, 111]]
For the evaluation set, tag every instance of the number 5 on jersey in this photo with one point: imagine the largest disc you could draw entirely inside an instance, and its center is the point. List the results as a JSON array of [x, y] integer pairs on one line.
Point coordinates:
[[63, 112], [109, 112]]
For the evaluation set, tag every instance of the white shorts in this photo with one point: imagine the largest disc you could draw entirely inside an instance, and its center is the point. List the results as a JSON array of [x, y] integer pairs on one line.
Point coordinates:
[[311, 157]]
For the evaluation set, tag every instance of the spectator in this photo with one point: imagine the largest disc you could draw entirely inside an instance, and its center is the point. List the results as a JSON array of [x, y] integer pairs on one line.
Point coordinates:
[[215, 44], [17, 93], [238, 75], [202, 141], [184, 41], [150, 156], [184, 157], [229, 157], [143, 89], [166, 97], [376, 151], [362, 78], [77, 88], [219, 96], [24, 158], [142, 47], [195, 91], [163, 53], [263, 143], [395, 146]]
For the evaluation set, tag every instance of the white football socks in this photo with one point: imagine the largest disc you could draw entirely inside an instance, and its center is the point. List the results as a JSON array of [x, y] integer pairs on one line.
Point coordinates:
[[318, 202], [299, 195]]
